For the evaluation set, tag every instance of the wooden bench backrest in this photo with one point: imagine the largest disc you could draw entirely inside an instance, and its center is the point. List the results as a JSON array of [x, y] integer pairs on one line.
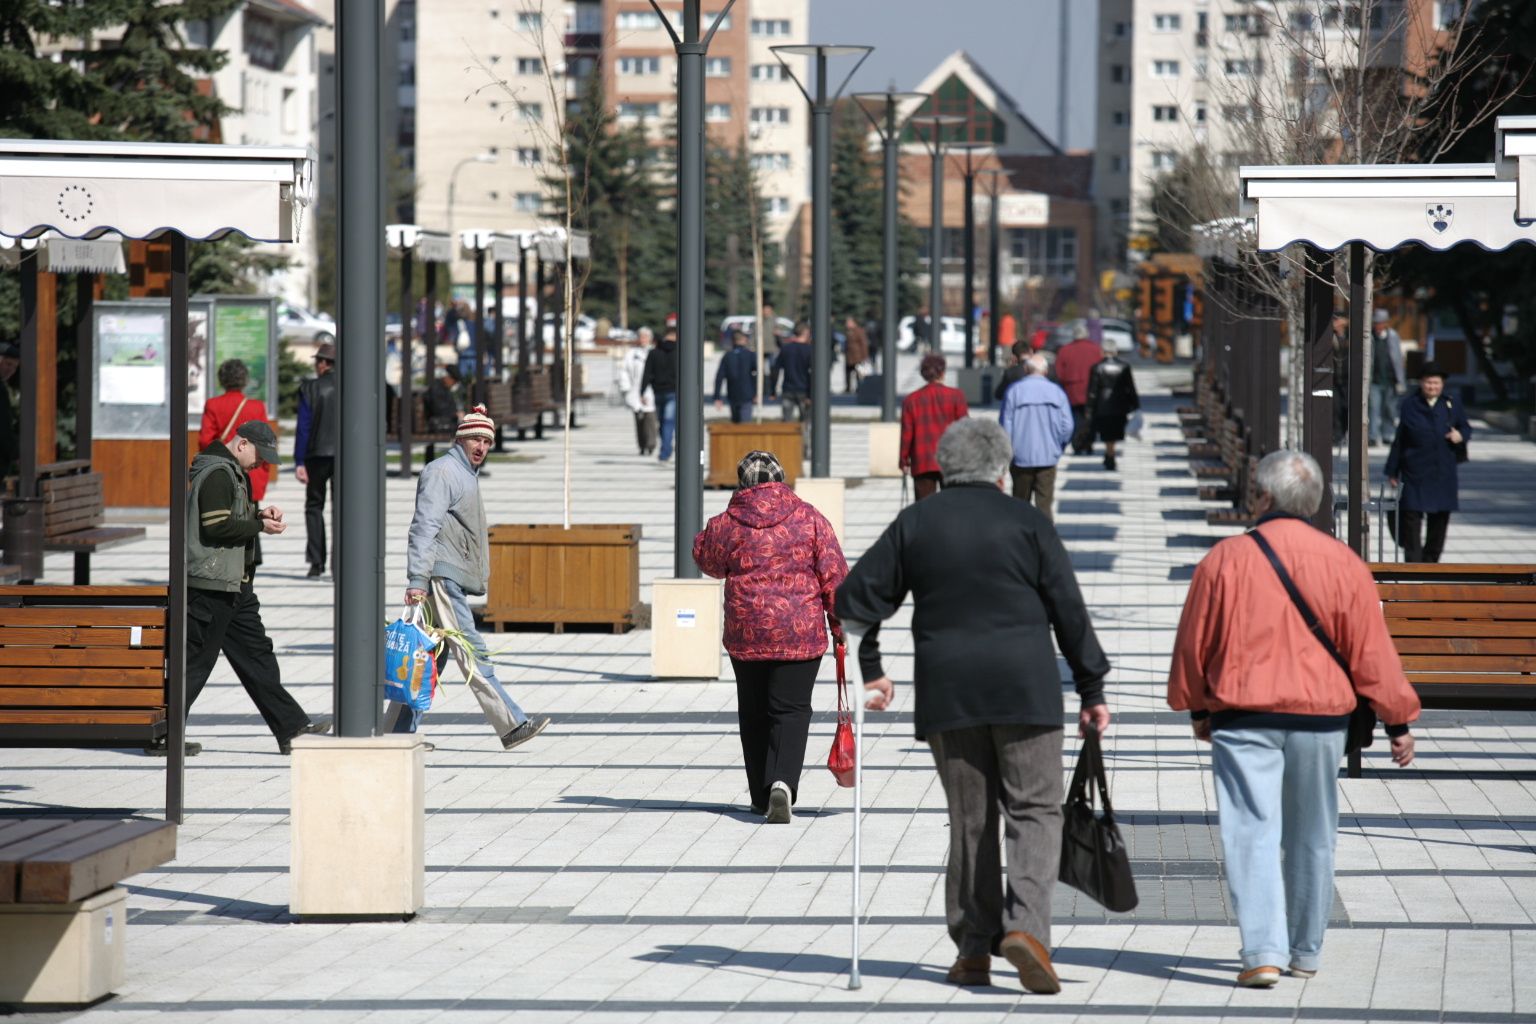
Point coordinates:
[[498, 400], [99, 651], [531, 390], [72, 498], [1467, 625]]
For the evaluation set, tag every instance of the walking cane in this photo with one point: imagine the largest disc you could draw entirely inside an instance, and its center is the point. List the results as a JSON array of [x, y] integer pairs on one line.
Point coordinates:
[[858, 811]]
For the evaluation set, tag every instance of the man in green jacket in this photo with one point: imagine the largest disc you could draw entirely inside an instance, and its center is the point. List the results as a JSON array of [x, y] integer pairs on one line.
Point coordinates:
[[223, 613]]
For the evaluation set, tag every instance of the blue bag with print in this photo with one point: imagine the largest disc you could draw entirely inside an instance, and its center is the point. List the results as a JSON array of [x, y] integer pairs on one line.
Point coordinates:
[[410, 670]]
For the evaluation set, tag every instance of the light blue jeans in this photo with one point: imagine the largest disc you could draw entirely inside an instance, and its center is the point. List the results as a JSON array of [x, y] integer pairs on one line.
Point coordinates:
[[1278, 793], [1382, 408], [666, 406], [450, 609]]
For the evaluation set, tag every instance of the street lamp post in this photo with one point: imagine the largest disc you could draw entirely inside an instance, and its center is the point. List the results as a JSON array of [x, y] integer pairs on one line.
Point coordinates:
[[936, 124], [690, 47], [453, 181], [821, 233], [888, 125], [970, 149], [999, 178]]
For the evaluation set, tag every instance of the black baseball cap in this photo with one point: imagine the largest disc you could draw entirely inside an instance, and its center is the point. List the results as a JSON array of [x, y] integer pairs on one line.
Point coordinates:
[[260, 435]]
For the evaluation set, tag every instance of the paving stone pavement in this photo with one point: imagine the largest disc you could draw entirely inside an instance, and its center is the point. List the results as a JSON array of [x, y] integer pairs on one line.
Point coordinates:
[[609, 870]]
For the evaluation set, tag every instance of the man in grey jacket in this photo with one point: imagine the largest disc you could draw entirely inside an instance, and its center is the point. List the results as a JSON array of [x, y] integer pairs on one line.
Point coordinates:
[[447, 558], [1388, 381]]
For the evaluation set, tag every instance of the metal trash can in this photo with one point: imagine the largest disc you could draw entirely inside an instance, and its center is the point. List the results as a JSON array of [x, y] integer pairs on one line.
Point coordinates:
[[21, 536]]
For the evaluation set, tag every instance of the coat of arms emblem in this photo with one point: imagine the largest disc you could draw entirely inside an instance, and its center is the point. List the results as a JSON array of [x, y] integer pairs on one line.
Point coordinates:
[[1439, 215]]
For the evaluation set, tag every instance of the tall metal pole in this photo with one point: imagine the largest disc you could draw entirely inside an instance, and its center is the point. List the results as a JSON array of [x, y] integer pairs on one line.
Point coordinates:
[[522, 304], [479, 341], [499, 348], [970, 263], [1063, 66], [690, 294], [176, 596], [359, 512], [821, 273], [1317, 400], [994, 277], [405, 413], [936, 249], [429, 327], [1359, 450], [890, 315]]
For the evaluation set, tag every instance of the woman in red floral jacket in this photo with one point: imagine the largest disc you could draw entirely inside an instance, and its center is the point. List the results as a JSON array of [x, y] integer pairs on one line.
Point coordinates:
[[782, 565]]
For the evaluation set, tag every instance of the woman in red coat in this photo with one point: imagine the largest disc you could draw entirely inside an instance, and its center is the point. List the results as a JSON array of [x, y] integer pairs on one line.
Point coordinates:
[[223, 415], [782, 565]]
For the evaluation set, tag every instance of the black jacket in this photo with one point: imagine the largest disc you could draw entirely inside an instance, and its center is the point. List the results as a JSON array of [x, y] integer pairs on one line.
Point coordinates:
[[1422, 457], [661, 369], [738, 375], [1112, 389], [1011, 376], [991, 582], [320, 424], [794, 363]]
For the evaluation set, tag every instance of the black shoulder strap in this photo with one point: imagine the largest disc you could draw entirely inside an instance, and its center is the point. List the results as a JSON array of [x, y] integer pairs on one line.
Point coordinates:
[[1300, 602]]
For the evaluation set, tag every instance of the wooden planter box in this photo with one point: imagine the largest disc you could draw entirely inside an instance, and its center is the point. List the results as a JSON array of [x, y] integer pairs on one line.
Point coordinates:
[[544, 573], [728, 442]]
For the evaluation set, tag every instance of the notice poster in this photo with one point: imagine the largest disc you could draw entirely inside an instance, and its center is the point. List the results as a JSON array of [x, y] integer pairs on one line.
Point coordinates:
[[132, 378], [199, 358], [244, 332]]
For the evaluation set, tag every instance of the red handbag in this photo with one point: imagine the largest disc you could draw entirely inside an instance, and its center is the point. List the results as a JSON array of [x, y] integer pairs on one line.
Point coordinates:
[[841, 760]]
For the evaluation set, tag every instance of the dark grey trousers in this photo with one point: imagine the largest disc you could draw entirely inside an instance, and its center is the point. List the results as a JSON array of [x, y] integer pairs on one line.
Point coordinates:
[[1014, 770]]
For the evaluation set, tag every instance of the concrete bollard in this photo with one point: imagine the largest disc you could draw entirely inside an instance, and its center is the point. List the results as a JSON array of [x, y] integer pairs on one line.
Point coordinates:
[[687, 625], [885, 449], [825, 495], [358, 826]]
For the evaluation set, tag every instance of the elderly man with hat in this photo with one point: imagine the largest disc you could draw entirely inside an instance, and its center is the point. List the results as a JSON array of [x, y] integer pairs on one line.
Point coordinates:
[[314, 450], [448, 558], [223, 613]]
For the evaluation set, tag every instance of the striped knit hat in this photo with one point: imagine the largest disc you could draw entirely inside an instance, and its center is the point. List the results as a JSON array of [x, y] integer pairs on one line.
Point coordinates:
[[759, 468], [476, 424]]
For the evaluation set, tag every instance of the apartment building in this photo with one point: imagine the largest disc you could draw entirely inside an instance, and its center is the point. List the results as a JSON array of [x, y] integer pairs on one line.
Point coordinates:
[[1177, 76]]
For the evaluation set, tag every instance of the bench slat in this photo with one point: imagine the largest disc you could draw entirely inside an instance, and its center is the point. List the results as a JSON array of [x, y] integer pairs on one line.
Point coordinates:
[[97, 538], [13, 855], [1499, 594], [1457, 610], [79, 657], [15, 832], [104, 636], [9, 716], [90, 864], [1486, 627], [81, 696], [1470, 662], [1469, 679], [64, 615], [81, 595], [63, 466], [1465, 645], [111, 678]]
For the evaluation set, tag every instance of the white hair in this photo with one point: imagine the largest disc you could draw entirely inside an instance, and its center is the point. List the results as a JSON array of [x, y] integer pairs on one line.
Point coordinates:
[[1293, 480], [1038, 365], [974, 451]]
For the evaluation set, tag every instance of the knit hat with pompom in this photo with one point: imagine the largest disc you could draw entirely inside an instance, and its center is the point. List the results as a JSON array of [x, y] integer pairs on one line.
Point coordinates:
[[476, 424]]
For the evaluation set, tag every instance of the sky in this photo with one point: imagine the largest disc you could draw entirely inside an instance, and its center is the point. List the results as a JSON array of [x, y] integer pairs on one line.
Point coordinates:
[[1014, 40]]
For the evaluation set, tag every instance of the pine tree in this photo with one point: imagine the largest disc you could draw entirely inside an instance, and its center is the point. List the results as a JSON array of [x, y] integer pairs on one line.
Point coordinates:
[[857, 251], [731, 197]]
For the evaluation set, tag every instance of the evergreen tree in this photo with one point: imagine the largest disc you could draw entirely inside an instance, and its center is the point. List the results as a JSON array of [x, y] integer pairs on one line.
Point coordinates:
[[857, 251], [731, 199]]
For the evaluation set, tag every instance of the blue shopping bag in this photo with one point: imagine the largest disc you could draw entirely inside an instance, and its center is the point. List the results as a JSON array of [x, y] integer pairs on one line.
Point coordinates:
[[410, 670]]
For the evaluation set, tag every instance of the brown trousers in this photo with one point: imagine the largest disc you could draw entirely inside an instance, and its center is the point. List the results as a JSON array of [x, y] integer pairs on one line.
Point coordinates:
[[1037, 483]]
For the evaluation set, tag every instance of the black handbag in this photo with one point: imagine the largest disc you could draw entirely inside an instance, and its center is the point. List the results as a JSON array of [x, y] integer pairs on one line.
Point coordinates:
[[1094, 860], [1362, 721]]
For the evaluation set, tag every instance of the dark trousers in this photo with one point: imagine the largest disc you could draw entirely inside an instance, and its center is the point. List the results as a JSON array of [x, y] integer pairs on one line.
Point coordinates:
[[773, 712], [741, 412], [1421, 545], [645, 431], [925, 485], [1012, 772], [320, 469], [1037, 483], [1082, 430], [231, 624]]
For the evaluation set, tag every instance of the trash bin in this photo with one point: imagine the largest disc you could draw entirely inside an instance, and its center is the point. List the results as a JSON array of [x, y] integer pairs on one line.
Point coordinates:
[[21, 536]]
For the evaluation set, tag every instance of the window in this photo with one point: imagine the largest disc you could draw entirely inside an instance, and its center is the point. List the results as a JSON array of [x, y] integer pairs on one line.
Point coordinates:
[[638, 21], [530, 66], [1303, 21], [639, 65], [769, 73], [1448, 13], [1118, 119], [770, 161], [1167, 22], [1121, 29], [778, 205], [528, 21], [529, 202], [1243, 22], [1163, 160], [1048, 252], [1117, 74], [1202, 68], [717, 112], [709, 19], [770, 115], [1165, 69], [580, 67], [1164, 112], [717, 67], [634, 111], [528, 156], [1236, 113], [770, 27], [1199, 112], [1242, 67], [531, 111], [1117, 164]]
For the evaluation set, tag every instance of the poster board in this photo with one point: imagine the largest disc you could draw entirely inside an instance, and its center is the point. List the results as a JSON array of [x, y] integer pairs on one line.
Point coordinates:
[[245, 328], [132, 383]]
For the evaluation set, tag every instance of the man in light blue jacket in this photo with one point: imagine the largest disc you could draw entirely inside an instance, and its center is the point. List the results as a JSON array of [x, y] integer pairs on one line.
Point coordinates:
[[1038, 420], [448, 557]]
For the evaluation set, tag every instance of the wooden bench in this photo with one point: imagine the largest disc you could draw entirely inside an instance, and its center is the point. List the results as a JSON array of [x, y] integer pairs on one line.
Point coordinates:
[[421, 432], [502, 407], [62, 913], [73, 514], [82, 666], [532, 396], [1466, 633]]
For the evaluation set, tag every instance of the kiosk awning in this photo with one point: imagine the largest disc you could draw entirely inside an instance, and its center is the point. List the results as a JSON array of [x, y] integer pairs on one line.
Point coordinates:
[[424, 244]]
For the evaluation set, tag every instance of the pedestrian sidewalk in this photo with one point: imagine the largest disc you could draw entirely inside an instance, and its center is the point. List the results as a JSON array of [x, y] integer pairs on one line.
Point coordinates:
[[609, 871]]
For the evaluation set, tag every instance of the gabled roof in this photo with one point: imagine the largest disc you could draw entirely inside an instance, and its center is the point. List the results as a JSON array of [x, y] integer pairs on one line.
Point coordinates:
[[290, 10], [1022, 136]]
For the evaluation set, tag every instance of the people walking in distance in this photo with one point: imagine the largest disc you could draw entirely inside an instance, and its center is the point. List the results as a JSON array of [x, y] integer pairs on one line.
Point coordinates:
[[1340, 326], [781, 564], [223, 612], [225, 414], [737, 377], [1111, 400], [1431, 438], [925, 414], [314, 451], [1274, 699], [1388, 380], [1015, 370], [855, 354], [448, 559], [1038, 420], [1074, 365], [660, 378], [792, 371], [979, 564], [922, 332], [641, 401]]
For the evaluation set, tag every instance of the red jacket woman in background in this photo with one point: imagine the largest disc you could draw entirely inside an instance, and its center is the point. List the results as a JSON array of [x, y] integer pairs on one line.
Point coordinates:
[[782, 565], [223, 415]]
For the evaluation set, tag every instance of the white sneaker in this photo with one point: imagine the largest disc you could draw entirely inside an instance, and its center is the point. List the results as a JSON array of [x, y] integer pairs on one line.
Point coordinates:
[[778, 805]]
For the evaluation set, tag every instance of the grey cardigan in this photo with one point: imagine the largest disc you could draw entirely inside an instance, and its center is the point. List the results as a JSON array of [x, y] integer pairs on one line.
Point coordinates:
[[448, 535]]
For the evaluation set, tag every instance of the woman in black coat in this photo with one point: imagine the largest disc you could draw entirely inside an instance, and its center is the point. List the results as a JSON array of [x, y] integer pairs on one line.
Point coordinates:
[[1111, 399], [1431, 431]]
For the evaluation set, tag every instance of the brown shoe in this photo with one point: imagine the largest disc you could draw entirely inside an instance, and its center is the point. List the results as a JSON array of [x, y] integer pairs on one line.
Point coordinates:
[[1033, 960], [1258, 977], [971, 970]]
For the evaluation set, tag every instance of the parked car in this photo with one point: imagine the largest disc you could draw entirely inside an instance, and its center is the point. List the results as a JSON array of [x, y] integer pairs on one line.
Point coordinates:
[[303, 330], [585, 332], [951, 336], [783, 327], [1120, 332]]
